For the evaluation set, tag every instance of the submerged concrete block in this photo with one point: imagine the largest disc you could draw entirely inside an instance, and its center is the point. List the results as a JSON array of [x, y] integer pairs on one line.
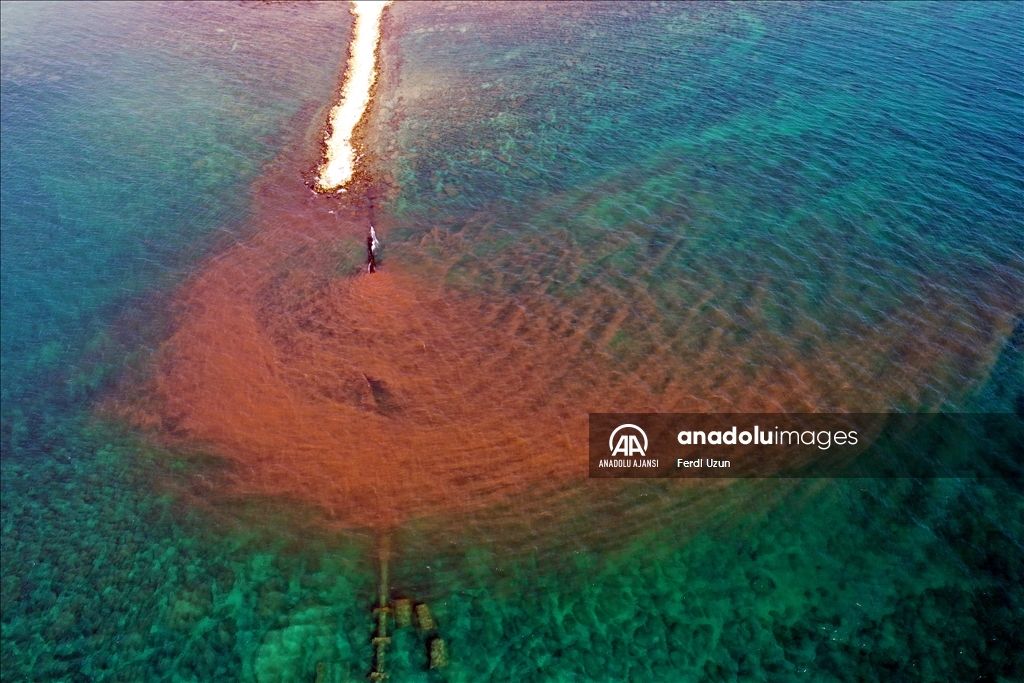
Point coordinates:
[[424, 618], [438, 653], [403, 612]]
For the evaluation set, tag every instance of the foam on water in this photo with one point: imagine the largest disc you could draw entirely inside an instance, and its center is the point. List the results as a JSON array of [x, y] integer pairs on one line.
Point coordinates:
[[360, 74]]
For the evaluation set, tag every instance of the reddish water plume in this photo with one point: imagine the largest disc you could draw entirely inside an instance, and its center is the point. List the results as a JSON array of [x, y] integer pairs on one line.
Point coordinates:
[[374, 397], [387, 397]]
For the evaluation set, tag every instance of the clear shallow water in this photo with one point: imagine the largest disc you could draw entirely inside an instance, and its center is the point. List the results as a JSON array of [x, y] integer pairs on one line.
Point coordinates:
[[612, 206]]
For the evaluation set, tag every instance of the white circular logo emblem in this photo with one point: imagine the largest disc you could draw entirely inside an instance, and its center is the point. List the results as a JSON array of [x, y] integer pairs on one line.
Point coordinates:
[[628, 444]]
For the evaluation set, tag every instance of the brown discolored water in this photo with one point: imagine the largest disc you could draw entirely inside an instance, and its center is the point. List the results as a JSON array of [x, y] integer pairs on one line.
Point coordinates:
[[459, 377], [418, 392]]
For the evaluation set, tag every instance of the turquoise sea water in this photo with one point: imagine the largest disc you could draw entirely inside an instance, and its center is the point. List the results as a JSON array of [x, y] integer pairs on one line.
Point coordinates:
[[798, 206]]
